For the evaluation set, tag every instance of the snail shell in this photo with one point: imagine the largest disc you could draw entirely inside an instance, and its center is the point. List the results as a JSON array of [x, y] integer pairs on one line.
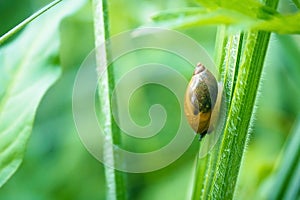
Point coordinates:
[[200, 99]]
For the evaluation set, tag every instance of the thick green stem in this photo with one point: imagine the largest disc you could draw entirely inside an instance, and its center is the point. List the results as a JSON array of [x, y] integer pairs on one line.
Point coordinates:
[[239, 116], [240, 59], [228, 50], [240, 113], [114, 179]]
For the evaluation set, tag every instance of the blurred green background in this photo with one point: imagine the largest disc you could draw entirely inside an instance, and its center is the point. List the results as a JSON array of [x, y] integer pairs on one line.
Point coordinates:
[[56, 164]]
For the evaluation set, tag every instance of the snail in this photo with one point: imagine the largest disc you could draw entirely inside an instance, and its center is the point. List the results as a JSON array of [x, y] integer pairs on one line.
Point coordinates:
[[200, 99]]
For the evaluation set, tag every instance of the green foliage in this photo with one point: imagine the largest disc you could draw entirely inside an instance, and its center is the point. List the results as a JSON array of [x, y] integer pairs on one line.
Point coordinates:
[[56, 162], [238, 15], [29, 66], [286, 179], [297, 3], [240, 59], [26, 21]]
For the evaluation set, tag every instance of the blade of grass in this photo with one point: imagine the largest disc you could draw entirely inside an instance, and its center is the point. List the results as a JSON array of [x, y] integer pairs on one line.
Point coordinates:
[[27, 21], [286, 183], [114, 179]]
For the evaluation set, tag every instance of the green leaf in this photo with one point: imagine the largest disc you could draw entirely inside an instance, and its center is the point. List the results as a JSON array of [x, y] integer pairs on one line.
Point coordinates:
[[27, 21], [251, 8], [189, 17], [28, 67], [286, 183], [283, 24], [239, 16], [297, 3]]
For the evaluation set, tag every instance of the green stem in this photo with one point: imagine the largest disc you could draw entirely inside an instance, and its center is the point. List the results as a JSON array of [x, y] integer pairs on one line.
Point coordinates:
[[240, 58], [228, 50], [240, 112], [230, 64], [27, 21], [115, 180], [201, 171], [239, 116]]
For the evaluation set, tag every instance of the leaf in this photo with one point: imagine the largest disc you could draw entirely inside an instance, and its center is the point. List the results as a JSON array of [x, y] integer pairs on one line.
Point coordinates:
[[27, 21], [284, 24], [251, 8], [250, 16], [286, 184], [190, 17], [297, 3], [28, 67]]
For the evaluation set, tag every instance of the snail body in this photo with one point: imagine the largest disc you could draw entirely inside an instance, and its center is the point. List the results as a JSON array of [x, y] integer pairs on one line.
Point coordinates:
[[200, 99]]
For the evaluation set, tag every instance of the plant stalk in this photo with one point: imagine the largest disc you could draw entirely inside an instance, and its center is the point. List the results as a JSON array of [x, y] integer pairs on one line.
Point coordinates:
[[240, 59], [115, 180]]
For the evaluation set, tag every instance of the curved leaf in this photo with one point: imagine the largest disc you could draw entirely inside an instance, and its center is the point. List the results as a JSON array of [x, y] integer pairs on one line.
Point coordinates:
[[261, 18], [28, 67]]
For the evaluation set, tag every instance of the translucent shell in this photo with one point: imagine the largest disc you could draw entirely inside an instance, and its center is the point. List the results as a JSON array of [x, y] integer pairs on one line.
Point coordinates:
[[200, 99]]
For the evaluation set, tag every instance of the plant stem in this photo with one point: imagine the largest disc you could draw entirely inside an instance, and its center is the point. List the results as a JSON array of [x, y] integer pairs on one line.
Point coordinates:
[[239, 116], [240, 58], [17, 28], [227, 59], [201, 171], [114, 179]]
